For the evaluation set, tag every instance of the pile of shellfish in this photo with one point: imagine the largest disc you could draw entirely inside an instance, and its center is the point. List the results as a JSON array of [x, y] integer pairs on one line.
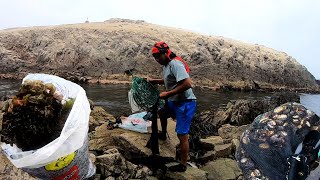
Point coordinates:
[[272, 138]]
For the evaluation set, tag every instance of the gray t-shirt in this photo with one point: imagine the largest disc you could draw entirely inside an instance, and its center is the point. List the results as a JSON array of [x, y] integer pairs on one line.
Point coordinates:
[[174, 72]]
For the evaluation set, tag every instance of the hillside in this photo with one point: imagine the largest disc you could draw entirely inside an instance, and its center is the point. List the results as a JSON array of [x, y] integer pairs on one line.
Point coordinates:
[[101, 52]]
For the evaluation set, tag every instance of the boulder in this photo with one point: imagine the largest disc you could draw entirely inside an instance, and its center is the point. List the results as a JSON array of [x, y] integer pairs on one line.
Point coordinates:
[[136, 142], [113, 164], [222, 169], [9, 171], [190, 174], [132, 144], [231, 132], [210, 142], [243, 112], [101, 116], [208, 156], [103, 138], [223, 150]]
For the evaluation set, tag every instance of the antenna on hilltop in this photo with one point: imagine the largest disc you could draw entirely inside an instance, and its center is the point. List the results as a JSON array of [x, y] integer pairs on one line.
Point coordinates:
[[87, 21]]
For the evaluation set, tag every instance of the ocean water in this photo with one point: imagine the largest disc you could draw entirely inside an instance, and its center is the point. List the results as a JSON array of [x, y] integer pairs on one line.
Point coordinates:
[[114, 98]]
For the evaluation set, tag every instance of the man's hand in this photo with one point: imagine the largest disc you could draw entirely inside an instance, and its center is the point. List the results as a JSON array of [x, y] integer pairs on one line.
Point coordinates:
[[164, 95], [182, 86]]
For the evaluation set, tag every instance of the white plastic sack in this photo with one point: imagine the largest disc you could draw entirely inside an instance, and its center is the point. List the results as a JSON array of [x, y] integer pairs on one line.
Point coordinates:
[[134, 106], [135, 122], [73, 135]]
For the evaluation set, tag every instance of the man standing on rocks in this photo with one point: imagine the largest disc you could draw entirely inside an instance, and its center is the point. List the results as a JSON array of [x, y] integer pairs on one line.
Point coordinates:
[[181, 102]]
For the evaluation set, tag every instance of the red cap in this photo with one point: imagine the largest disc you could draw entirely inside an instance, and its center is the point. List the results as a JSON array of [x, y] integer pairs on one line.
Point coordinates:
[[160, 46]]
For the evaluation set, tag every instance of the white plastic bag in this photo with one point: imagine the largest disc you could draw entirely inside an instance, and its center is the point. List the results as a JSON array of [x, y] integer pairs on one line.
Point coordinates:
[[73, 136], [135, 122], [134, 106]]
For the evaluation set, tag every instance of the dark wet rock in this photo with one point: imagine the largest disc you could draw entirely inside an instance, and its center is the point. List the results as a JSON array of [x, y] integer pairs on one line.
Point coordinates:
[[279, 98], [243, 112]]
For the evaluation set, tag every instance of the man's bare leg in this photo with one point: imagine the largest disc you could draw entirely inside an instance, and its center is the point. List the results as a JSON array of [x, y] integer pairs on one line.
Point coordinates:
[[184, 146]]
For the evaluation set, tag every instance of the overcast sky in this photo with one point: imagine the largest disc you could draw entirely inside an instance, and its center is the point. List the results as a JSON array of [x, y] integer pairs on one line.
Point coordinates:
[[292, 26]]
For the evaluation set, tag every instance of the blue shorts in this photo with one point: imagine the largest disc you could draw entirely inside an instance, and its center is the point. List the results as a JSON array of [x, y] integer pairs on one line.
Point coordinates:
[[183, 112]]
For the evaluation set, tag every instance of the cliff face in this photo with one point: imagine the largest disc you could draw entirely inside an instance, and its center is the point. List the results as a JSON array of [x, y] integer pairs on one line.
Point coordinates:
[[103, 51]]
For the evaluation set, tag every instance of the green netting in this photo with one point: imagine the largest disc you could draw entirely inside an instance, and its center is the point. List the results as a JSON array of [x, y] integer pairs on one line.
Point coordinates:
[[144, 93]]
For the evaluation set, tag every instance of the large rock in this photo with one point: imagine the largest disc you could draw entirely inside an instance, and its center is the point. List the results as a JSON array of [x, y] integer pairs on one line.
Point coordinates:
[[210, 142], [243, 111], [136, 142], [101, 116], [91, 51], [10, 172], [232, 132], [222, 169], [190, 174], [113, 164], [103, 138], [131, 144]]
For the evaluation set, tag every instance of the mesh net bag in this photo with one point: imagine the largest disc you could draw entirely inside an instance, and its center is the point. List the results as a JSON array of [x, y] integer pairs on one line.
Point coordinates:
[[145, 94], [272, 138]]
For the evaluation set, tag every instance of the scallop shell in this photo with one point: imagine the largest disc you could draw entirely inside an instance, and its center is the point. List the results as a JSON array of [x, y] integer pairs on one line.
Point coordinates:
[[308, 124], [244, 160], [275, 138], [295, 104], [310, 113], [315, 128], [264, 120], [295, 117], [245, 140], [282, 117], [279, 109], [269, 133], [264, 146], [271, 124], [280, 128], [279, 122], [283, 133], [257, 173], [291, 113], [295, 121], [286, 111]]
